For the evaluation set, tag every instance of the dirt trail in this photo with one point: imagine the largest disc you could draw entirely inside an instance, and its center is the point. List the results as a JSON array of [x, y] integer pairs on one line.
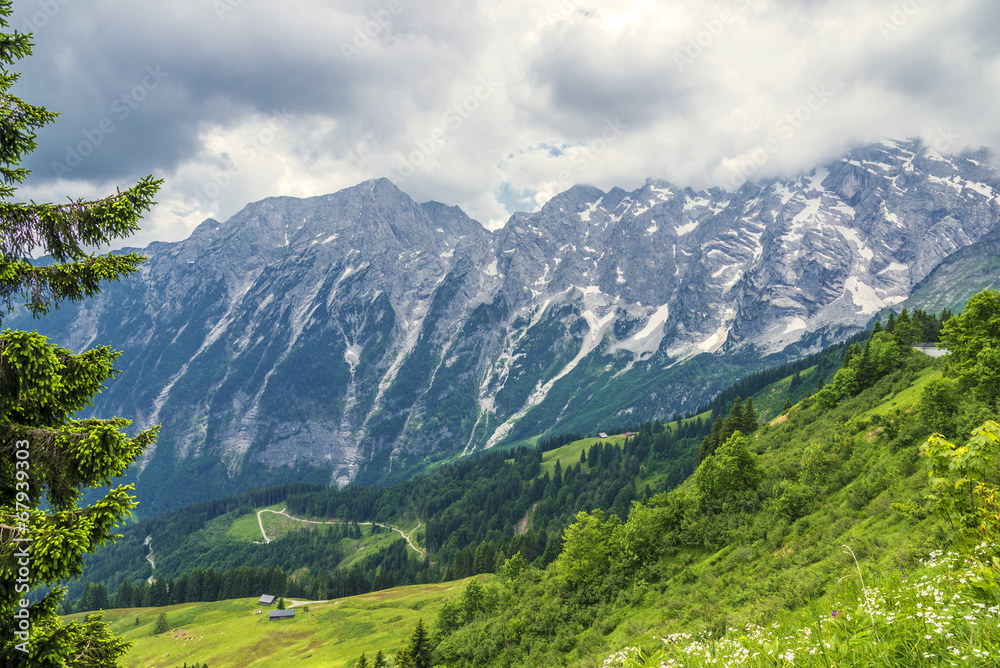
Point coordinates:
[[149, 557], [407, 536]]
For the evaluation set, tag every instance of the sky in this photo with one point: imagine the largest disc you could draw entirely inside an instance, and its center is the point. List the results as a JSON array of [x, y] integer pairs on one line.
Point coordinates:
[[494, 106]]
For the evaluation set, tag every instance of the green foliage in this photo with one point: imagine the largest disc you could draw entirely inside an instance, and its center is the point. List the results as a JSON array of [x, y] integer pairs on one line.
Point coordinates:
[[281, 604], [512, 567], [972, 339], [585, 557], [48, 458], [162, 625], [746, 538], [417, 651], [956, 473], [742, 418], [729, 477], [939, 405], [863, 367], [944, 613]]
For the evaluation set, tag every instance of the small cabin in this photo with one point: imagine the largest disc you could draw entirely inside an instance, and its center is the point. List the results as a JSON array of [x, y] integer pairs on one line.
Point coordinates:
[[602, 435], [282, 614], [266, 599]]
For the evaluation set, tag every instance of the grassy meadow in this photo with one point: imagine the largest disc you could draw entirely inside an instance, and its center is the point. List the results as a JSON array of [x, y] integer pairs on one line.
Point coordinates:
[[228, 634]]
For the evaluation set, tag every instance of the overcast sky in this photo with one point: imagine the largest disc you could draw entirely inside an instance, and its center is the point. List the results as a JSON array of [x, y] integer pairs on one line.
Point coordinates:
[[491, 105]]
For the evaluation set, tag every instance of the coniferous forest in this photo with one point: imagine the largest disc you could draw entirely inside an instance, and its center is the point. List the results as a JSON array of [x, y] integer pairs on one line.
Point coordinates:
[[584, 541]]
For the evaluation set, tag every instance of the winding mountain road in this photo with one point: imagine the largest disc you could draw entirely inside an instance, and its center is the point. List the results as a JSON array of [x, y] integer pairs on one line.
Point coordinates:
[[149, 558], [406, 536]]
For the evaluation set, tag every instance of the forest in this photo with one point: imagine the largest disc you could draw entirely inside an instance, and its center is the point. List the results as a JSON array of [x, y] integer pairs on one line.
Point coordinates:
[[470, 509]]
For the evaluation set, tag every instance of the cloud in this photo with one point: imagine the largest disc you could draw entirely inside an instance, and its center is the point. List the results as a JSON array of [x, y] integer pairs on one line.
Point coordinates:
[[486, 104]]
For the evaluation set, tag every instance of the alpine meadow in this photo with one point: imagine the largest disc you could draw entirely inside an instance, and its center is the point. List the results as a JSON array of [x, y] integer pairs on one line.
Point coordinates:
[[499, 335]]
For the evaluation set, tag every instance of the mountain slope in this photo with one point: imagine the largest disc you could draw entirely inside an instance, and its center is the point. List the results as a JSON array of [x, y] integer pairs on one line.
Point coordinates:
[[363, 336], [961, 275]]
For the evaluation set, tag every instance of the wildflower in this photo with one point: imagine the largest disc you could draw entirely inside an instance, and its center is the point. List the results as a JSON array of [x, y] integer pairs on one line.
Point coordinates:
[[834, 614]]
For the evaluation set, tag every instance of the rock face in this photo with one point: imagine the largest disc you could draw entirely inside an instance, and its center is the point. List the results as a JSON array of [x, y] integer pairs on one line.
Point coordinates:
[[361, 336]]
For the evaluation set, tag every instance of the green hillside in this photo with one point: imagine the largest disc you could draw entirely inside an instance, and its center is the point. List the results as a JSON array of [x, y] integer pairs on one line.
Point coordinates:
[[781, 526], [603, 544], [781, 560], [228, 634]]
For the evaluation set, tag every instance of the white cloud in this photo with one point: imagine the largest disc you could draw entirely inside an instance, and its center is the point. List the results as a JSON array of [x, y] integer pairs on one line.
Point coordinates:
[[462, 101]]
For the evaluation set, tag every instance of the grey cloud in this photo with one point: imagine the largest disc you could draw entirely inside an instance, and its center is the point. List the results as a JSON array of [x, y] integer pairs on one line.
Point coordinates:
[[360, 115]]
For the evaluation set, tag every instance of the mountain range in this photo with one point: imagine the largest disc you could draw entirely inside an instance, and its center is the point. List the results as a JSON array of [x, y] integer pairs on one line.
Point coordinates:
[[362, 336]]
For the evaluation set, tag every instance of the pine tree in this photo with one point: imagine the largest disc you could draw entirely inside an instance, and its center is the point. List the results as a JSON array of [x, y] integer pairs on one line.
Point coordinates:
[[404, 658], [123, 599], [711, 442], [749, 421], [904, 329], [48, 458], [419, 647], [362, 662], [734, 421], [162, 625], [379, 660]]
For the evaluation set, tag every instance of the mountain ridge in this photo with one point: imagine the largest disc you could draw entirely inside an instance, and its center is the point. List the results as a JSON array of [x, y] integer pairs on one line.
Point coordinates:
[[362, 336]]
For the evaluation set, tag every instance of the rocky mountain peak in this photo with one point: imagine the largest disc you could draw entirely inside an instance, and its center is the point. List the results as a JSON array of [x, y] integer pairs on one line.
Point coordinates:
[[360, 334]]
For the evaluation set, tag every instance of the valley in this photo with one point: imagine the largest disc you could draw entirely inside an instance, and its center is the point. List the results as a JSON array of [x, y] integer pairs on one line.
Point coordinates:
[[841, 466], [499, 335]]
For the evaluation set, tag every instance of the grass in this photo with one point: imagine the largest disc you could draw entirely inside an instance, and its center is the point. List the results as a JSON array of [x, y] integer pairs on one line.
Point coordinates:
[[246, 527], [943, 613], [569, 454], [868, 495], [909, 397], [228, 634]]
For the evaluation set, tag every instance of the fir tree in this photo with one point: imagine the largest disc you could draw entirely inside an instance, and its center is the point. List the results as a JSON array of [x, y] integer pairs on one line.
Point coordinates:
[[711, 442], [55, 457], [890, 325], [904, 329], [749, 421], [419, 647], [162, 625]]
